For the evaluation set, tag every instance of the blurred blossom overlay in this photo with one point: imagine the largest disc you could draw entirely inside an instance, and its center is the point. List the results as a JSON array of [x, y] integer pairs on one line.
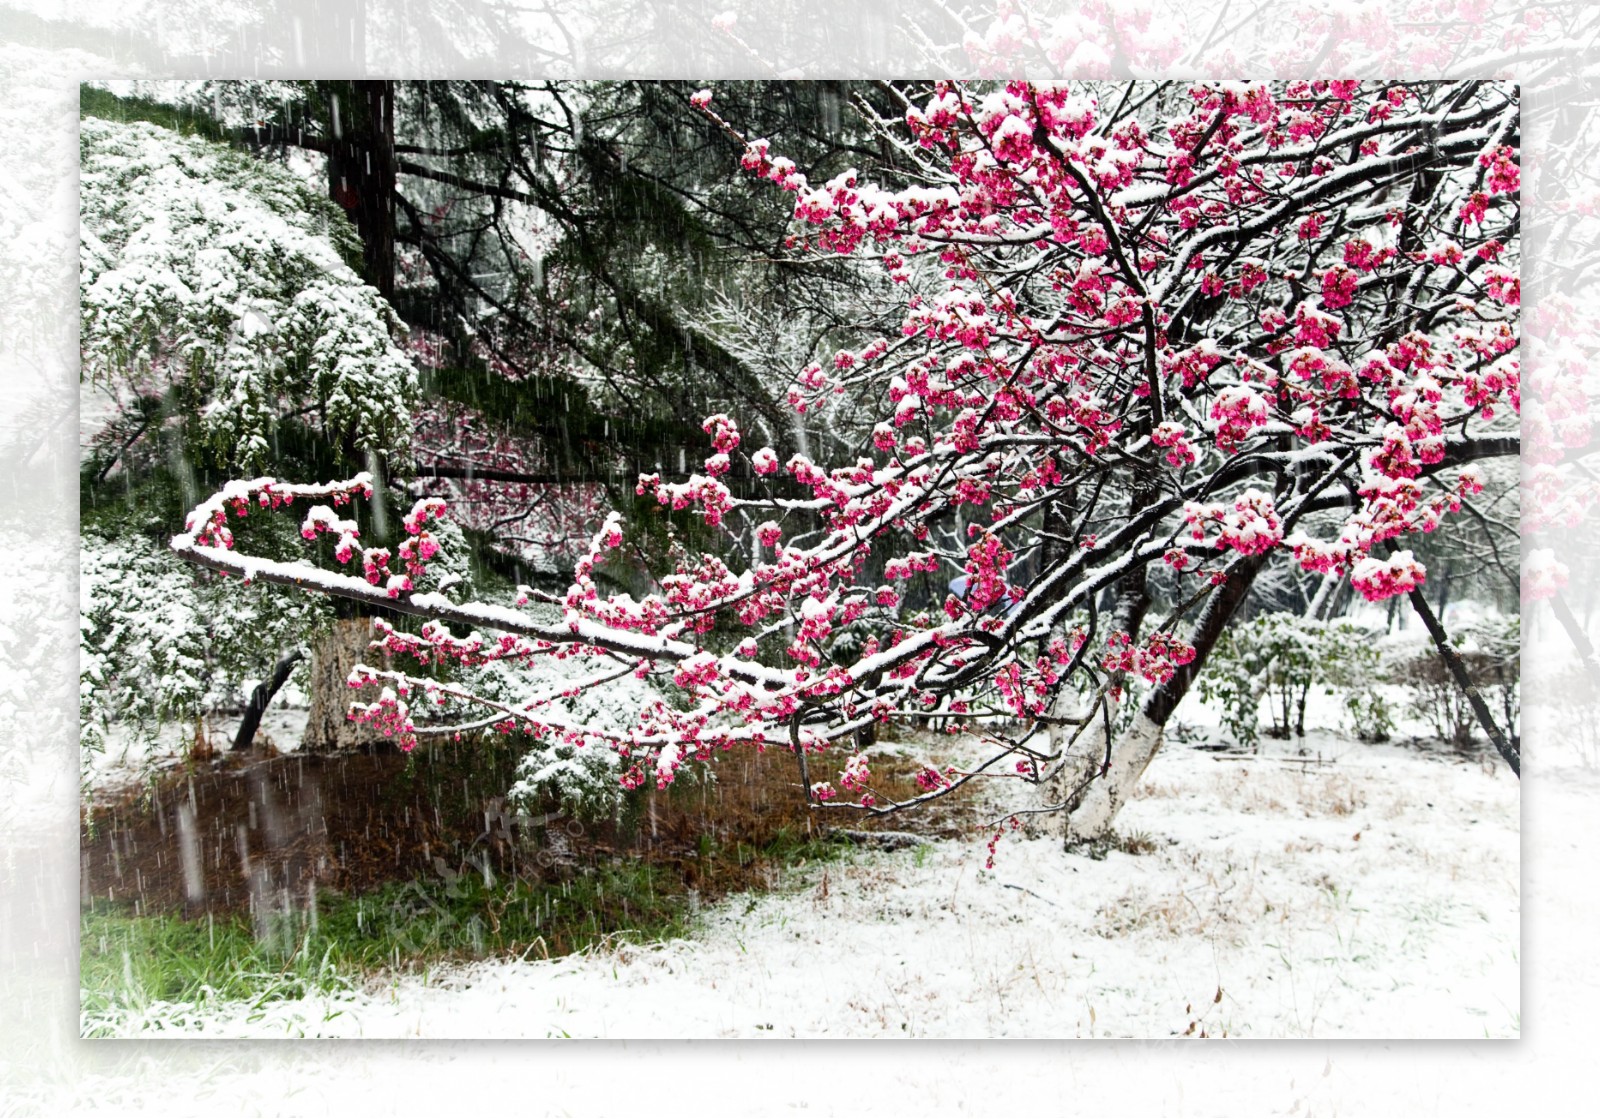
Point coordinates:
[[47, 48]]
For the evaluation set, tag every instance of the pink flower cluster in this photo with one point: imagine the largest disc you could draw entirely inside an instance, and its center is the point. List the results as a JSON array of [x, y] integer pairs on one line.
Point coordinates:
[[1378, 579], [1248, 525], [856, 774], [1504, 176], [908, 565], [1156, 660], [1543, 575], [987, 561], [709, 494], [208, 522], [994, 841], [1173, 436], [723, 431], [1235, 413], [389, 714]]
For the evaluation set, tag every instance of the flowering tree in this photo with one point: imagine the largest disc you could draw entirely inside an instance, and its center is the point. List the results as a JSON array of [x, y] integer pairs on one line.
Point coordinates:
[[1154, 338]]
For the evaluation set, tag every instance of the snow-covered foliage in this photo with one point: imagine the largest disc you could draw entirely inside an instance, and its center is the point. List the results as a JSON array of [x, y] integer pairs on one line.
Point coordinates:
[[1284, 658], [160, 642], [222, 280], [231, 102], [1280, 657], [583, 777]]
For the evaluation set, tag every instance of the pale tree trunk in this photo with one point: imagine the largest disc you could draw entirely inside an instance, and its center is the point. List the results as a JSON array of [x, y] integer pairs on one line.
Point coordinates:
[[1131, 754], [333, 655], [1084, 758], [1086, 755], [1092, 813], [1056, 542], [1321, 606]]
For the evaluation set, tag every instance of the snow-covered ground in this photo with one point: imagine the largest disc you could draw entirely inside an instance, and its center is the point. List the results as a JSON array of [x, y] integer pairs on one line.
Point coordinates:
[[1360, 892], [132, 759]]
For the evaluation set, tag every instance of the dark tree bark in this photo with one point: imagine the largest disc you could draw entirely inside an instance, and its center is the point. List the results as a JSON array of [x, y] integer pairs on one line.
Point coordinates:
[[261, 696], [1213, 619], [1579, 638], [361, 170], [1458, 672]]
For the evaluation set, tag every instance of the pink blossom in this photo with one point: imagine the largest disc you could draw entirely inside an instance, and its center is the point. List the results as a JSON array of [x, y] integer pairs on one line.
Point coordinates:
[[1543, 576], [1378, 579]]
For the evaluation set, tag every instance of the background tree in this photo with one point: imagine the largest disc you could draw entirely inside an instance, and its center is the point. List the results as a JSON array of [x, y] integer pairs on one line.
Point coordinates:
[[581, 269], [558, 368]]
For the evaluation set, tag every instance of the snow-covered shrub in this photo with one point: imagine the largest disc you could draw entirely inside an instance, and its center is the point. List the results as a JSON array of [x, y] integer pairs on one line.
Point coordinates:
[[161, 642], [584, 779], [1566, 713], [1370, 715], [1499, 641], [1352, 663], [1273, 656], [222, 280], [1490, 651], [1280, 657], [1433, 698]]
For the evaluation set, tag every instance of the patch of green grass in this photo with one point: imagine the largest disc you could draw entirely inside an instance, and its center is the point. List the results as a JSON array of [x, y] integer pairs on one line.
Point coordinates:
[[129, 963]]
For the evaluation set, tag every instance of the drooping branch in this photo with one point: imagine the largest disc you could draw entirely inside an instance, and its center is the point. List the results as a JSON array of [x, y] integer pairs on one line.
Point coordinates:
[[1458, 673]]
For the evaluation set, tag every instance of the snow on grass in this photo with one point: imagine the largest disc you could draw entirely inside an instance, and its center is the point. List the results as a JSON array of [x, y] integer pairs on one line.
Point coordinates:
[[131, 759], [1372, 896]]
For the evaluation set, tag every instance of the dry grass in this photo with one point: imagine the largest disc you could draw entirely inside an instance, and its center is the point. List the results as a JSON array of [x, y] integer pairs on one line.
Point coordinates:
[[355, 823], [1273, 790]]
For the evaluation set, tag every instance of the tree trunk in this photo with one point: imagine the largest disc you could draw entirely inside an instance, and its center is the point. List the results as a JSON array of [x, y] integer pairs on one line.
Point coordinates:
[[1133, 600], [1076, 772], [1321, 606], [1056, 542], [1091, 818], [1579, 638], [1096, 810], [1458, 672], [361, 170], [262, 696], [328, 726]]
